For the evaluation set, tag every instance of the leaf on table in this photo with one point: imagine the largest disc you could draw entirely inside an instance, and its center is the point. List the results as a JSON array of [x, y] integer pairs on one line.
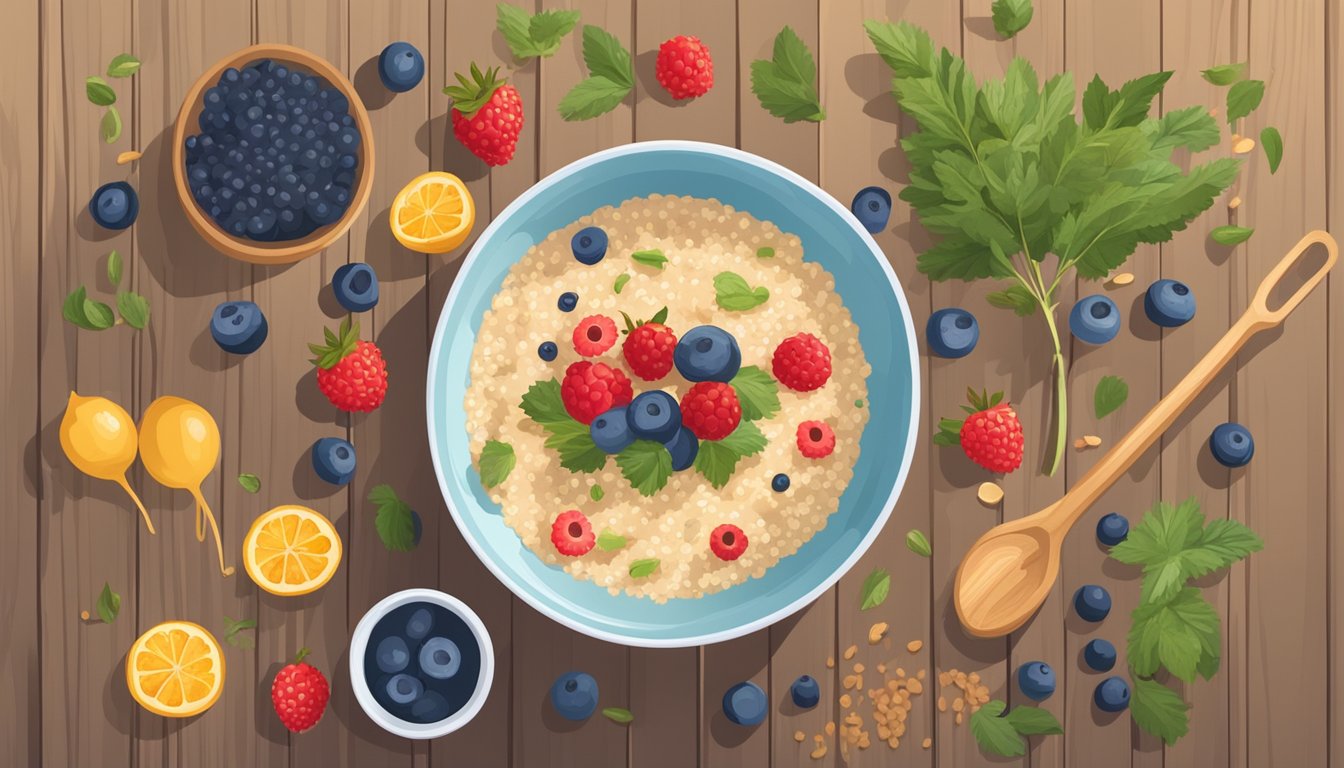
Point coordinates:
[[535, 35], [906, 48], [1173, 634], [1225, 74], [99, 92], [72, 309], [592, 96], [108, 605], [1011, 16], [250, 482], [134, 309], [123, 65], [641, 568], [646, 465], [99, 315], [1272, 142], [1243, 98], [917, 542], [1173, 545], [994, 734], [1014, 297], [610, 77], [618, 715], [1230, 235], [497, 461], [114, 268], [1111, 393], [1033, 721], [875, 589], [786, 83], [733, 293], [110, 126], [1192, 128], [757, 393], [234, 629], [1158, 709], [394, 521]]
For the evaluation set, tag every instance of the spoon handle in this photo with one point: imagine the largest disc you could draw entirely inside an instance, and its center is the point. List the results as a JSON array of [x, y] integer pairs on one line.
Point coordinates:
[[1258, 317]]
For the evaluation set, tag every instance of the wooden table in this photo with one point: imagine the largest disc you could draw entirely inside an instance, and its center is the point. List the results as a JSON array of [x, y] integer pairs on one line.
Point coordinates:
[[1278, 701]]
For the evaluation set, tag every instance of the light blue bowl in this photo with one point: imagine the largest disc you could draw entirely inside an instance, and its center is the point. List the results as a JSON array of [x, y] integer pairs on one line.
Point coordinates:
[[830, 236]]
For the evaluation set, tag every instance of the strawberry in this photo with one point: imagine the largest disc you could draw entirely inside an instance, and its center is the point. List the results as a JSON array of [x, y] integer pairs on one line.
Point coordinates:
[[299, 694], [350, 372], [591, 389], [991, 435], [487, 115], [711, 410], [572, 534], [684, 67], [648, 346], [802, 362]]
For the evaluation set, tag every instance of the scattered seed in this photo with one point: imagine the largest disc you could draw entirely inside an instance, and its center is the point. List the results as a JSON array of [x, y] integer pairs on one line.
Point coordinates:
[[1234, 203], [850, 651], [958, 718], [845, 701], [881, 668], [958, 704], [876, 632], [830, 662], [914, 686], [1092, 441], [942, 703], [830, 730], [914, 645], [900, 671], [819, 752], [858, 667], [1080, 443], [990, 494], [1234, 138], [850, 681], [944, 679], [1244, 146], [927, 743], [920, 674], [128, 157], [1124, 278], [84, 615], [799, 736]]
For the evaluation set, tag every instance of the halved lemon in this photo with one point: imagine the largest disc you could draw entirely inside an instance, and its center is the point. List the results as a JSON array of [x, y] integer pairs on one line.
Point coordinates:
[[433, 214], [175, 669], [291, 550]]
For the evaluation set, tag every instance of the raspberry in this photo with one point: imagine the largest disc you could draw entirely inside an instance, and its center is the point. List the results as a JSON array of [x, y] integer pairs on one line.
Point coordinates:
[[572, 534], [351, 373], [802, 362], [710, 410], [684, 67], [594, 335], [816, 440], [591, 389], [299, 694], [728, 542], [648, 350]]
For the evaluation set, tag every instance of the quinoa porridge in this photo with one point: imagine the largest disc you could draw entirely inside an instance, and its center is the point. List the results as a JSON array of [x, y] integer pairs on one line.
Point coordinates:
[[624, 495]]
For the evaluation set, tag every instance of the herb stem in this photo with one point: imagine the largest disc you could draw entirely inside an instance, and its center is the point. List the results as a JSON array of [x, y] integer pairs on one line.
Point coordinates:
[[1055, 454]]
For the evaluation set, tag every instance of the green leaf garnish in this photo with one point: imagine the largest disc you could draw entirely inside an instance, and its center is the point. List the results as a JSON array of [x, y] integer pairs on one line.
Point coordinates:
[[395, 521], [1158, 709], [596, 493], [497, 461], [652, 257], [250, 482], [1173, 633], [917, 542], [731, 292], [114, 268], [110, 126], [1111, 393], [99, 92], [757, 393], [537, 35], [611, 77], [1243, 98], [1014, 297], [1272, 141], [123, 65], [618, 715], [574, 443], [647, 465], [543, 404], [1033, 721], [875, 589], [621, 280], [592, 96], [994, 734], [1225, 74], [786, 85], [99, 315], [641, 568], [109, 604], [1011, 16], [717, 459], [765, 252], [233, 632], [1229, 235], [134, 309], [1173, 545], [608, 541]]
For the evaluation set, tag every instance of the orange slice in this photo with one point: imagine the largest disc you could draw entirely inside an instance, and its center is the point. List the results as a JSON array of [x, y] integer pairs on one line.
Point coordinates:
[[175, 669], [433, 214], [291, 550]]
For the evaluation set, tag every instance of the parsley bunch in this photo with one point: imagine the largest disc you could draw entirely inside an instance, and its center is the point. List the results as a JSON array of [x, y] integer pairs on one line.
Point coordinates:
[[1174, 627], [1009, 176]]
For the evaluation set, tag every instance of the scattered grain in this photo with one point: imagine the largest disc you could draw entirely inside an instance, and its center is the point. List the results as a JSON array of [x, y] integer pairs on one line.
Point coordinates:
[[845, 701], [1234, 203], [1244, 146], [914, 645], [881, 668], [858, 667], [850, 681], [850, 651], [84, 615], [958, 718], [1080, 444], [990, 494], [1124, 278], [799, 736], [1092, 440], [927, 743], [819, 752], [942, 703], [128, 156], [876, 632], [830, 730], [830, 662]]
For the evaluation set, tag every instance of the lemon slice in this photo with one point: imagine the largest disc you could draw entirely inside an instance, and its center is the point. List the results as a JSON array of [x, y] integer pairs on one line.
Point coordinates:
[[433, 214], [291, 550], [175, 669]]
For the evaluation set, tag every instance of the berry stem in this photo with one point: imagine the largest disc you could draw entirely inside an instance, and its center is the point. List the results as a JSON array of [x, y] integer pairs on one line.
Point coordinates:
[[302, 654]]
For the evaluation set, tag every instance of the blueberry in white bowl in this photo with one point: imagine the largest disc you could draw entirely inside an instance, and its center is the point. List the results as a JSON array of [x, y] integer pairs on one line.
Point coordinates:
[[952, 332], [1095, 319], [440, 658], [403, 689], [1036, 680], [1099, 655], [356, 287], [611, 431], [745, 704], [574, 696], [238, 327], [1232, 445], [1112, 695], [419, 623], [707, 353], [1092, 602], [114, 205], [334, 460], [872, 207], [1169, 303], [684, 447], [589, 245], [655, 416], [400, 67], [392, 653]]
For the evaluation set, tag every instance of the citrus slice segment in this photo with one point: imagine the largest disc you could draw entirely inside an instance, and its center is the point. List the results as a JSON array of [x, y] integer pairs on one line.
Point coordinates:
[[434, 213], [291, 550], [175, 669]]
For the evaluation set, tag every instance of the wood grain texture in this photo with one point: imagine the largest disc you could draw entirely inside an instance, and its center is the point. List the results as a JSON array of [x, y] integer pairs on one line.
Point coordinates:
[[1335, 300]]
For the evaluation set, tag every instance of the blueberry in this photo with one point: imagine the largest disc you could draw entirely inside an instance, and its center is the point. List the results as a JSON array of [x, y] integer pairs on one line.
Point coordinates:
[[610, 432], [1169, 303], [547, 350], [1095, 319], [356, 287], [872, 207], [1099, 655], [568, 301], [745, 704], [683, 446], [654, 416], [1232, 444], [238, 327], [574, 695], [1092, 602], [419, 528], [707, 353], [404, 689], [419, 624], [400, 67], [780, 483], [392, 654], [805, 692], [114, 205], [1112, 695], [589, 245], [334, 460], [1112, 529], [1036, 679], [952, 332], [430, 707], [440, 658]]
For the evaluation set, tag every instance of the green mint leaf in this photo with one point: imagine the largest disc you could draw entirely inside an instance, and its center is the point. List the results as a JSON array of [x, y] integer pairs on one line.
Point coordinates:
[[906, 48], [592, 97], [1243, 98], [1222, 543], [641, 568], [110, 126], [1272, 142], [646, 465], [744, 441], [786, 84], [994, 734], [1014, 297], [134, 309], [596, 493], [1158, 710], [394, 521], [715, 462], [757, 393], [1160, 543], [99, 92], [114, 268], [731, 292], [609, 541], [1111, 393], [917, 542], [497, 461], [250, 482], [765, 252], [233, 632], [99, 315], [1229, 235], [1011, 16], [73, 309], [1192, 128], [574, 443], [542, 403], [621, 280], [123, 65], [1033, 721], [1225, 74], [1173, 634], [618, 715], [606, 57], [650, 258], [875, 589], [514, 25], [548, 28], [109, 604]]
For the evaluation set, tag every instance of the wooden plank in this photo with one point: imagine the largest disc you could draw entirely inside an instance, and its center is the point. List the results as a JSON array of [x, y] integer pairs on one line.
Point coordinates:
[[1279, 495], [21, 445], [1335, 493], [286, 414], [543, 650], [88, 528], [1195, 36], [183, 279]]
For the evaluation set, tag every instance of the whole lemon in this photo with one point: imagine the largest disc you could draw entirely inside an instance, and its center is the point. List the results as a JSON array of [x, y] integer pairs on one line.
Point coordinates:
[[179, 442], [98, 437]]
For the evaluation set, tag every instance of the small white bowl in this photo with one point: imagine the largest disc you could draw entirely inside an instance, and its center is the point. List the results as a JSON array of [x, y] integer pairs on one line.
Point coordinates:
[[359, 643]]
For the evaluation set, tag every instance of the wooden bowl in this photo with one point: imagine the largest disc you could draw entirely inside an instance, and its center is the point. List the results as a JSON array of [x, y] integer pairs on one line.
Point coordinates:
[[280, 251]]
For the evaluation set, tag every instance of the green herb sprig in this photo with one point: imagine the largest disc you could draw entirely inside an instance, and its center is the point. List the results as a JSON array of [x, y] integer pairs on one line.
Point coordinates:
[[100, 93], [535, 35], [1004, 735], [395, 520], [786, 83], [611, 77]]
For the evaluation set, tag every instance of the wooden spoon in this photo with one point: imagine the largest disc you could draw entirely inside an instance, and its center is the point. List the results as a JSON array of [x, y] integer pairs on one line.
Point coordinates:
[[1007, 574]]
